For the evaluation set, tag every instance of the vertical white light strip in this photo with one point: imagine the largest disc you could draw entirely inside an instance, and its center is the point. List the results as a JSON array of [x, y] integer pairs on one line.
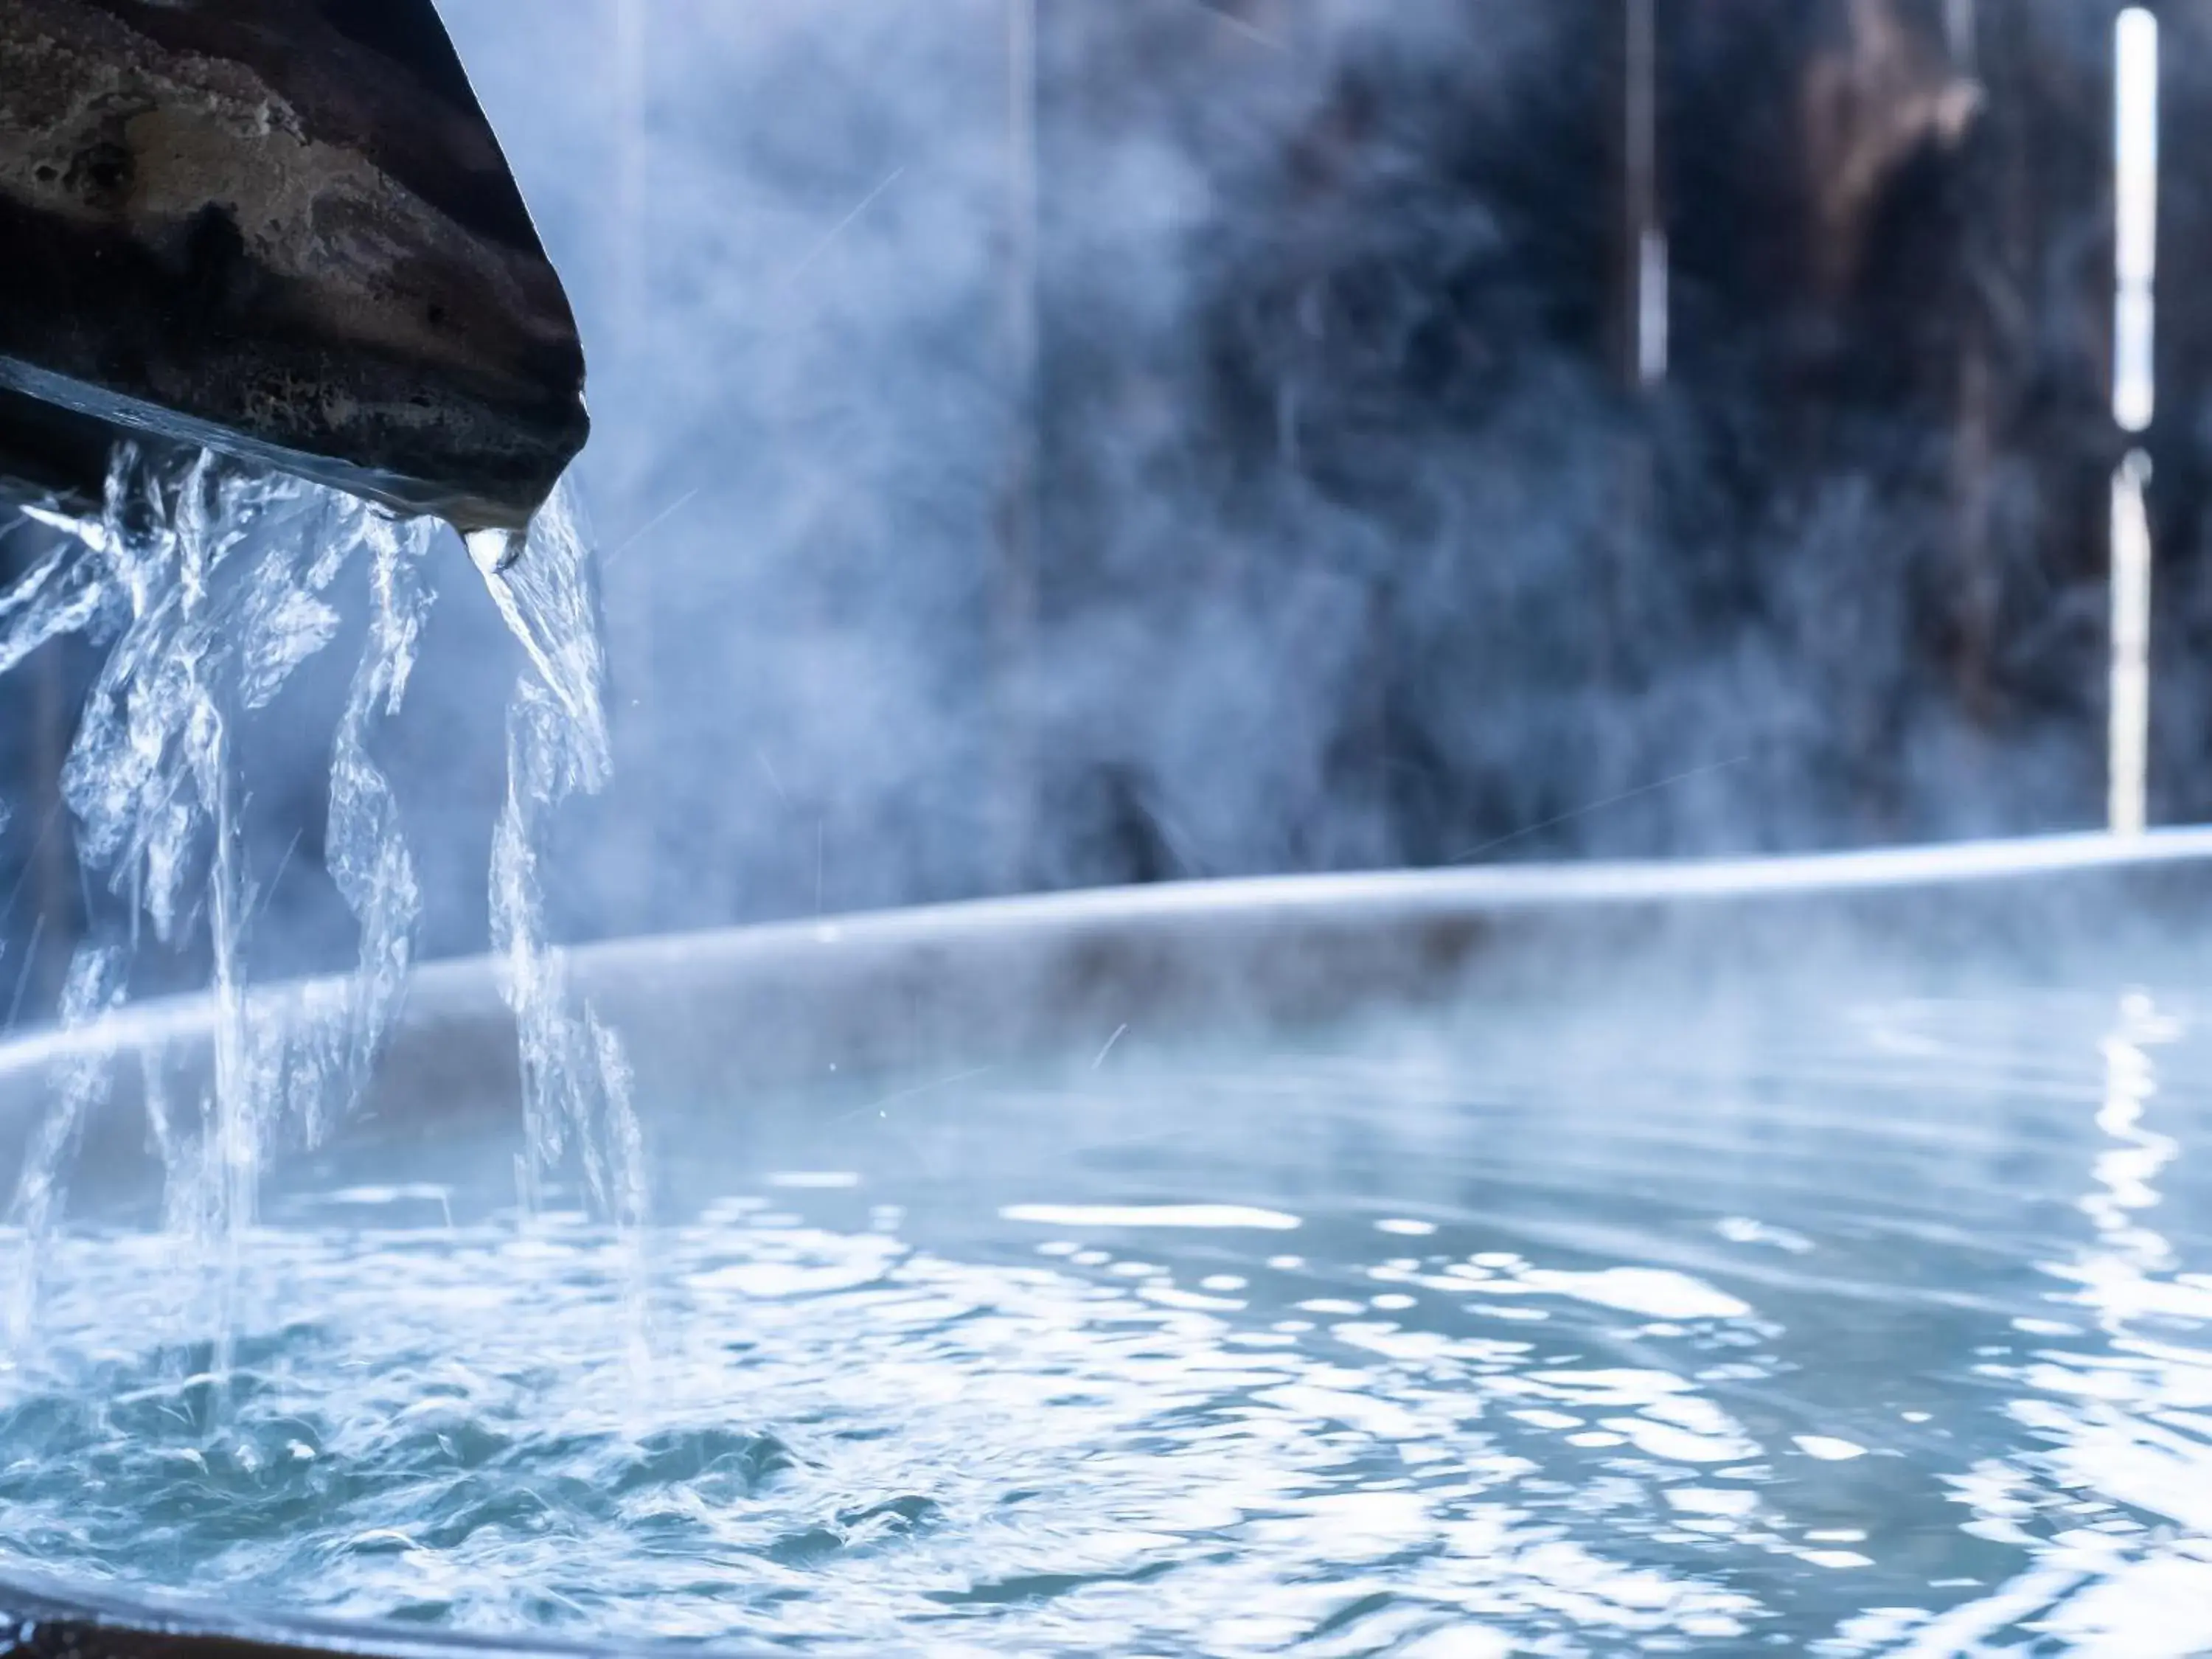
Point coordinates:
[[1651, 308], [1647, 233], [2134, 155], [1014, 603], [1959, 31], [2129, 805], [2135, 192], [633, 169], [1022, 168]]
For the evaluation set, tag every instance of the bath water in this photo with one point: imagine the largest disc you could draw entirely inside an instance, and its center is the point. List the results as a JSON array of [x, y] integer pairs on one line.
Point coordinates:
[[1884, 1327]]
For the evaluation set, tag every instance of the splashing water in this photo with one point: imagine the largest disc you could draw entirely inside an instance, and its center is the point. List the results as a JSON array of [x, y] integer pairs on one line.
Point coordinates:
[[215, 585], [575, 1077]]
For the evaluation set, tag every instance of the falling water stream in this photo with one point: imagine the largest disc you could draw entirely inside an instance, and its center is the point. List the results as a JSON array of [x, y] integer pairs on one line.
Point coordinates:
[[576, 1089], [216, 584]]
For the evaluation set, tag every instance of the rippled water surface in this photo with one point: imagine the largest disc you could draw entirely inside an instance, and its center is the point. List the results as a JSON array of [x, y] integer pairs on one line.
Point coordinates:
[[1883, 1330]]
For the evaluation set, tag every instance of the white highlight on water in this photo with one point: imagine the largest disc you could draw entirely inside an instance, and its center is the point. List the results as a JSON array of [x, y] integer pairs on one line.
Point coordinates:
[[216, 584]]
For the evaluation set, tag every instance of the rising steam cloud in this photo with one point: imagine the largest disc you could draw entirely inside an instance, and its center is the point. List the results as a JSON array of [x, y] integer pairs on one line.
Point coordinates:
[[1314, 534]]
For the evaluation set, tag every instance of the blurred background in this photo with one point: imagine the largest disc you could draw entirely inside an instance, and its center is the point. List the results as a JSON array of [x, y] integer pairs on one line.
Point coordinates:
[[1045, 443]]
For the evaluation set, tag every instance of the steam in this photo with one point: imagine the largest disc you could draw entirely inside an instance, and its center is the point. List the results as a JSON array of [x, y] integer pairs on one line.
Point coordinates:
[[1314, 533], [1347, 550]]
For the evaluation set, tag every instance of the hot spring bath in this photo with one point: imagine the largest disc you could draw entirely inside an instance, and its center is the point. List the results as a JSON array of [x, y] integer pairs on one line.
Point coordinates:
[[1801, 1257]]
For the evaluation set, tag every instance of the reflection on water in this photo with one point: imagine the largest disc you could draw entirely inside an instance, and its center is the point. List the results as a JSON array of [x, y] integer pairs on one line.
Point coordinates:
[[2114, 1408], [1887, 1331]]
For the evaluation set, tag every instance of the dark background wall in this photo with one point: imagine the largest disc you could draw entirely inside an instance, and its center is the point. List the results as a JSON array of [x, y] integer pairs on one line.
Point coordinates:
[[1044, 443]]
